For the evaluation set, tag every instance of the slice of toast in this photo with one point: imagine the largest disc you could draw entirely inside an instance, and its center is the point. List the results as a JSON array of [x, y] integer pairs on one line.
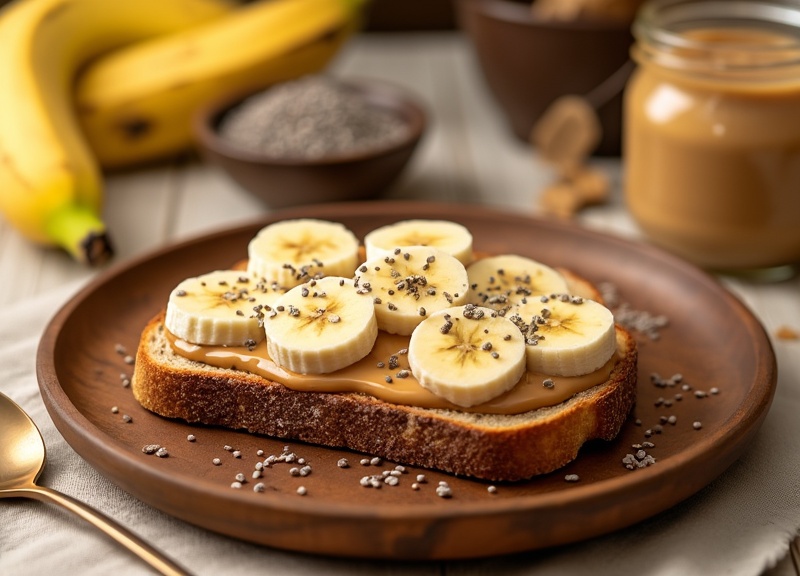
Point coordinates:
[[486, 446]]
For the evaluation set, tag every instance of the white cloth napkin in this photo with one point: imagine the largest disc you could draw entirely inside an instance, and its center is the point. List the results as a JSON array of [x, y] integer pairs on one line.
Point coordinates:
[[739, 525]]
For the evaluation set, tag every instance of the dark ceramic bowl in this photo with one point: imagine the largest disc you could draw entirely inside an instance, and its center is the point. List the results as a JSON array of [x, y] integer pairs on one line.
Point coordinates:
[[527, 62], [282, 182]]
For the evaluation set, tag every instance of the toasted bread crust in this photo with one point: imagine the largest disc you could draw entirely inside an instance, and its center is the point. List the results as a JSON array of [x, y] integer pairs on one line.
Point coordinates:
[[491, 447]]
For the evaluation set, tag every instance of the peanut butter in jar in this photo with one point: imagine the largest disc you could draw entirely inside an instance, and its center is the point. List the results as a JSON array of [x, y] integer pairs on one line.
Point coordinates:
[[711, 148]]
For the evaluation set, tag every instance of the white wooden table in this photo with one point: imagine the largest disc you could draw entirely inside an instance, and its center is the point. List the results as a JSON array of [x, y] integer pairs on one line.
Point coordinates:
[[468, 155]]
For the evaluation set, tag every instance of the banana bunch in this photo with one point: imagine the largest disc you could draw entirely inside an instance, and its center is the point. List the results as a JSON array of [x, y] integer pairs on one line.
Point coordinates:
[[89, 85], [50, 183], [473, 331]]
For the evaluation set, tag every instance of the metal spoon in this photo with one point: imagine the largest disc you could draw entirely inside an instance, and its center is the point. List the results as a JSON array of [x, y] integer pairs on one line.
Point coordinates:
[[22, 459]]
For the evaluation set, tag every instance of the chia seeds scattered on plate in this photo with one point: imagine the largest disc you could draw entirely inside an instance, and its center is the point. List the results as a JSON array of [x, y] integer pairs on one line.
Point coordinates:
[[640, 321], [443, 490], [310, 118]]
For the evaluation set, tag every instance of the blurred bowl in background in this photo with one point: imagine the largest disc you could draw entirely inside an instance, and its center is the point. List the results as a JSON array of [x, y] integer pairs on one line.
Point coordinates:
[[528, 61], [281, 180]]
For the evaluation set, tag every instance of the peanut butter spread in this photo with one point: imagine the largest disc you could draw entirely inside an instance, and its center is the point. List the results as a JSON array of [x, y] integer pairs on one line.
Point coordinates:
[[384, 374]]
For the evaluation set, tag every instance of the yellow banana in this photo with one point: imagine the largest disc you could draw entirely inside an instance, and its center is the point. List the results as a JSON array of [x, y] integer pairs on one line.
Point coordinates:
[[135, 105], [50, 183]]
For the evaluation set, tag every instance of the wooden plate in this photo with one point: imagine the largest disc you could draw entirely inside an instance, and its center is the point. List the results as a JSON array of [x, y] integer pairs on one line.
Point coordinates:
[[712, 340]]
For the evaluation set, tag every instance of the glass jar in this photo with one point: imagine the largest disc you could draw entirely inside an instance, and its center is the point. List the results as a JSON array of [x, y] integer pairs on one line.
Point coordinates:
[[711, 147]]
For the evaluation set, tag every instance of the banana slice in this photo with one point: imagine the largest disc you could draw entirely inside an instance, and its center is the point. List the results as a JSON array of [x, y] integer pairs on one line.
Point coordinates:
[[411, 283], [294, 251], [467, 354], [501, 282], [450, 237], [321, 326], [221, 308], [566, 335]]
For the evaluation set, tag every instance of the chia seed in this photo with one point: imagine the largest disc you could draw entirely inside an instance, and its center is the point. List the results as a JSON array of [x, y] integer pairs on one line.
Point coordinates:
[[443, 490], [639, 320]]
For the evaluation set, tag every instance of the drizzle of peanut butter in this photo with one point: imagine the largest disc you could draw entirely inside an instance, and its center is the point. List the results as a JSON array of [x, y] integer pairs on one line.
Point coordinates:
[[366, 377]]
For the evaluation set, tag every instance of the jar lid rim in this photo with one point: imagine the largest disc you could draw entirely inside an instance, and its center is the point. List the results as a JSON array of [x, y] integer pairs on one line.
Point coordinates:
[[665, 21]]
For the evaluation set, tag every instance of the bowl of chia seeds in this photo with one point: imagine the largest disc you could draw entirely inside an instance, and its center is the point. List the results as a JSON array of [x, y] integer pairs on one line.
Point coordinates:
[[314, 139]]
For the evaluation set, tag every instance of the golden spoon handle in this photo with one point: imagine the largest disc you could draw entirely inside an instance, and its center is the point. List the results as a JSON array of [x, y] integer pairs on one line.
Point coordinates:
[[110, 527]]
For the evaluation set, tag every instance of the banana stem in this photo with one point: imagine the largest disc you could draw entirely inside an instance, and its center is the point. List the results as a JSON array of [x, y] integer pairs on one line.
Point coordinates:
[[79, 231]]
